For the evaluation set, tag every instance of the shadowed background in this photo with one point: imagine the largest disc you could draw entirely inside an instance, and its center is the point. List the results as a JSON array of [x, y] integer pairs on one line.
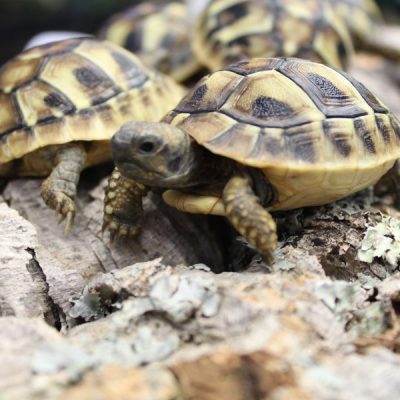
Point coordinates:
[[21, 19]]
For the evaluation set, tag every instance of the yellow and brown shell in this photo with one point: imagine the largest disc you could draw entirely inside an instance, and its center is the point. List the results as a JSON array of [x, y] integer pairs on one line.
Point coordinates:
[[232, 30], [159, 33], [360, 16], [76, 90], [317, 133]]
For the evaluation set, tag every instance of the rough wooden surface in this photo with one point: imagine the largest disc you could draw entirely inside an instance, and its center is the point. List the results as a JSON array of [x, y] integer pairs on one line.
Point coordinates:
[[241, 336]]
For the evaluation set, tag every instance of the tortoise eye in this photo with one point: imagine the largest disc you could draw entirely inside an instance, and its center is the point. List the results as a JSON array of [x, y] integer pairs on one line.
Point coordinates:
[[146, 147]]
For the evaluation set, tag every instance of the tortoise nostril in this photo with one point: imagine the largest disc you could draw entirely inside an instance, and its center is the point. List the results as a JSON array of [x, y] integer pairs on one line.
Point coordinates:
[[146, 147]]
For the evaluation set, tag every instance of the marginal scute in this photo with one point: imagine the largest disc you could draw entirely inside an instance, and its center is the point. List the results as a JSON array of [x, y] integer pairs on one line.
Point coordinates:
[[301, 143], [365, 135], [9, 116], [383, 128], [340, 134], [395, 126]]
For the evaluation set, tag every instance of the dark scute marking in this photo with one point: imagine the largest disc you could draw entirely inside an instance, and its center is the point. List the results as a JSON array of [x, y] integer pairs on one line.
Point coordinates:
[[301, 144], [131, 70], [199, 93], [383, 129], [57, 100], [87, 113], [174, 164], [234, 12], [48, 120], [395, 126], [53, 100], [326, 87], [339, 140], [343, 54], [105, 112], [240, 41], [88, 77], [133, 41], [365, 135], [273, 146], [227, 17], [124, 62], [366, 94], [265, 107]]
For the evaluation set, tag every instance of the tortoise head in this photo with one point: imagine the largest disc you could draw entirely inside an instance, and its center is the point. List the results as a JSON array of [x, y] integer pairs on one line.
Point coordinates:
[[153, 153]]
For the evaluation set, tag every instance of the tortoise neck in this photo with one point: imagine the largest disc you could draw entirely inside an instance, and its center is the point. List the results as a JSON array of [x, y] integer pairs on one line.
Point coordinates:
[[206, 168]]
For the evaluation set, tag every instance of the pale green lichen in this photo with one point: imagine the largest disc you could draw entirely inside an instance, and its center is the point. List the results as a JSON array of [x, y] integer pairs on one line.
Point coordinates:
[[382, 241]]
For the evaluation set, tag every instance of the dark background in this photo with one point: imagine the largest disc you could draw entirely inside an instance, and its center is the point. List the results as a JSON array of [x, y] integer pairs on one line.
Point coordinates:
[[21, 19]]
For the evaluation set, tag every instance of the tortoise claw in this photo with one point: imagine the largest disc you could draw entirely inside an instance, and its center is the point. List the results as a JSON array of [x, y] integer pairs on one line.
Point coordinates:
[[119, 230], [69, 222]]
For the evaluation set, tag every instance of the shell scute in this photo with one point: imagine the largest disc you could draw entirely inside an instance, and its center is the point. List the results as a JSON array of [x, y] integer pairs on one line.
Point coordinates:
[[328, 89], [17, 71], [264, 101], [249, 67], [210, 93], [82, 81], [9, 117], [369, 97], [38, 101]]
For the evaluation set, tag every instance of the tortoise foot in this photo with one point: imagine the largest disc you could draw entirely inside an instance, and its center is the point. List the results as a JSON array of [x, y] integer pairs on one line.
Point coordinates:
[[123, 206], [118, 228], [60, 201]]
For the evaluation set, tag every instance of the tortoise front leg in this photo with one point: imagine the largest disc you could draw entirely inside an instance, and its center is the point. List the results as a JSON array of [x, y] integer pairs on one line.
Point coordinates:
[[123, 208], [58, 190], [251, 220]]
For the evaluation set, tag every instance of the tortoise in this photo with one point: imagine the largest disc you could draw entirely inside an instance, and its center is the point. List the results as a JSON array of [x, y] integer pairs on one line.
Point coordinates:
[[61, 102], [367, 28], [158, 33], [228, 31], [259, 135], [325, 31]]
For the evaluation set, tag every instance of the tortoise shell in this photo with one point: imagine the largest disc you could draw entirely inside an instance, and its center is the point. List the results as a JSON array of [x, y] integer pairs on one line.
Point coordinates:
[[157, 32], [317, 133], [232, 30], [76, 89], [360, 16]]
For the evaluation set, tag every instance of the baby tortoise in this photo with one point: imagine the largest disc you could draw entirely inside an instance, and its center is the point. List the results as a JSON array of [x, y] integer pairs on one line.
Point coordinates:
[[325, 31], [260, 135], [60, 105], [229, 31], [157, 32], [367, 28]]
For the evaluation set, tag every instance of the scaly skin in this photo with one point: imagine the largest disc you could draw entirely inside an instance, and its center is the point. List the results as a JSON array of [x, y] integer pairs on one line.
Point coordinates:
[[123, 210], [58, 190], [247, 215]]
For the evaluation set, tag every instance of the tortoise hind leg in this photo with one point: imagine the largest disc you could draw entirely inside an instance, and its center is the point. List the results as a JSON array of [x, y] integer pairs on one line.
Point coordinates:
[[249, 217], [58, 190]]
